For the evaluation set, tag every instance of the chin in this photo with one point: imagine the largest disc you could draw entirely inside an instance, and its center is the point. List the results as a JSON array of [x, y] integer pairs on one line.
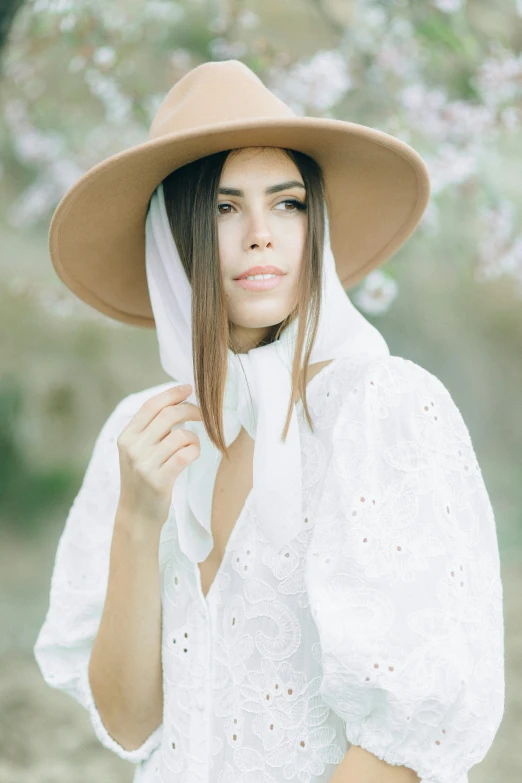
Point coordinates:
[[261, 322]]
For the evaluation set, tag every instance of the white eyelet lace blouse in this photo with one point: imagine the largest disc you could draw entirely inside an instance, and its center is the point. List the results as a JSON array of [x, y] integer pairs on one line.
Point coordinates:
[[380, 625]]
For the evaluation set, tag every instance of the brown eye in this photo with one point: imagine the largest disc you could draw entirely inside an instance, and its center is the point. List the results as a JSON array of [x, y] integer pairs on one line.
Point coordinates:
[[297, 205]]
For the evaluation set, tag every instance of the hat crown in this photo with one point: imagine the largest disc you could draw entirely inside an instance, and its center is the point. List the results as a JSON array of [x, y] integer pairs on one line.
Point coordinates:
[[213, 93]]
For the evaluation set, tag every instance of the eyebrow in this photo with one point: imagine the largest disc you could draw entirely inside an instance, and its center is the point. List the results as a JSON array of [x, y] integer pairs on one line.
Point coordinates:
[[293, 183]]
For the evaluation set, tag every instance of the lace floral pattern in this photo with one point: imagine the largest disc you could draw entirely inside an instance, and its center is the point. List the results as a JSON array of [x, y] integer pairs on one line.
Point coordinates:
[[404, 580], [380, 624]]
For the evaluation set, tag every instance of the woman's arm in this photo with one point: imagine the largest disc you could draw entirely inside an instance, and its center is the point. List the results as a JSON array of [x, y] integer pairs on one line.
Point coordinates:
[[404, 582], [125, 670], [360, 766]]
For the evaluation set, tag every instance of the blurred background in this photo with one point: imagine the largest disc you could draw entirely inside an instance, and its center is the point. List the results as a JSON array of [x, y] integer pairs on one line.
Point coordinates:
[[80, 81]]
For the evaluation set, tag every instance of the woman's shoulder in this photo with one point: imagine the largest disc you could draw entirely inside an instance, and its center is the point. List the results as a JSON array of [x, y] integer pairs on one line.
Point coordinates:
[[383, 374], [384, 387], [392, 364]]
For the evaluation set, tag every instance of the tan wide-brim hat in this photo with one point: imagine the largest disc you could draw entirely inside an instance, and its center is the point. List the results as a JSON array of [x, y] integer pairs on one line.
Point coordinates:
[[376, 186]]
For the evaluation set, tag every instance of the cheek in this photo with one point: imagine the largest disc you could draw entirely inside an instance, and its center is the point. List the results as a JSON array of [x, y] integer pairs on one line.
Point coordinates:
[[294, 243], [225, 250]]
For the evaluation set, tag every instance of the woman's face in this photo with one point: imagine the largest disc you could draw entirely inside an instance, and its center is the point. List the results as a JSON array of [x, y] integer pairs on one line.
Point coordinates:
[[258, 228]]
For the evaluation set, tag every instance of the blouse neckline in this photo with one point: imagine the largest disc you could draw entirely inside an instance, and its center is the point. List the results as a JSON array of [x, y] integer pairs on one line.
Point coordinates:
[[239, 521]]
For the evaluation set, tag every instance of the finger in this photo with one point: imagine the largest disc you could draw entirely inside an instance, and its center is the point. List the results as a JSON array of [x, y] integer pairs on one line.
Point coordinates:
[[151, 407], [173, 442], [171, 418], [181, 458]]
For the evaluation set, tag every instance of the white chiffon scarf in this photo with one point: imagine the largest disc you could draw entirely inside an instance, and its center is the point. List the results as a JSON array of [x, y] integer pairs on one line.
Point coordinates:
[[257, 391]]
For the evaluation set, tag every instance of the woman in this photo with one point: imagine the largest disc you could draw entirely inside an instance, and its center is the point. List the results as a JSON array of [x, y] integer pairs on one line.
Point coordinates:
[[325, 602]]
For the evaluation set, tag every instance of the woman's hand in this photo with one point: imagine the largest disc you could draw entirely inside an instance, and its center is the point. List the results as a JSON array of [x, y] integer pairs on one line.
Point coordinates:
[[152, 457]]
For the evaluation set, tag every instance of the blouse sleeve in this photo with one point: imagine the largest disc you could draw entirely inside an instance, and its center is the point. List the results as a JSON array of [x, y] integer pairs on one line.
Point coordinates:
[[404, 578], [79, 584]]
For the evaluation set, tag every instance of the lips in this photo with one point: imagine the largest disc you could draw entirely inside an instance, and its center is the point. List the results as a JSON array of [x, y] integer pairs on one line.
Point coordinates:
[[261, 270]]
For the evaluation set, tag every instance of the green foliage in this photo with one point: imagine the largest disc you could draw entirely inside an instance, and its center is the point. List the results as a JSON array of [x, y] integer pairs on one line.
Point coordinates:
[[26, 494]]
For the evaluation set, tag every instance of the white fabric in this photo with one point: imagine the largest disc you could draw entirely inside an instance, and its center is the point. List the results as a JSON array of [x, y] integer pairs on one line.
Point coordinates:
[[379, 625], [263, 372]]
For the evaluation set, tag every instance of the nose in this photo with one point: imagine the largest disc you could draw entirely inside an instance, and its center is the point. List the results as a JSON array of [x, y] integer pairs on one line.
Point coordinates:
[[258, 233]]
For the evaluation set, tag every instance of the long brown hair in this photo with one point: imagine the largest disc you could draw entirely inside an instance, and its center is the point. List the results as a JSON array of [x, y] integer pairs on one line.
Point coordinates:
[[191, 195]]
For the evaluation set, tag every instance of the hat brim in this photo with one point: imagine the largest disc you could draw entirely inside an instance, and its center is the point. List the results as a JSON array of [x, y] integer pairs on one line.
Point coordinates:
[[376, 190]]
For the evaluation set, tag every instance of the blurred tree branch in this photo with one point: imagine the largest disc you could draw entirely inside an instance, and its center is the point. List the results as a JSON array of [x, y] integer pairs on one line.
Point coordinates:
[[8, 11]]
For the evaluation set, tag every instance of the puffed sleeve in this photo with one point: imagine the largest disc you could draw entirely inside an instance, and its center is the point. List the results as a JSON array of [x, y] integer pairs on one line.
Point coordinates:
[[403, 577], [79, 584]]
